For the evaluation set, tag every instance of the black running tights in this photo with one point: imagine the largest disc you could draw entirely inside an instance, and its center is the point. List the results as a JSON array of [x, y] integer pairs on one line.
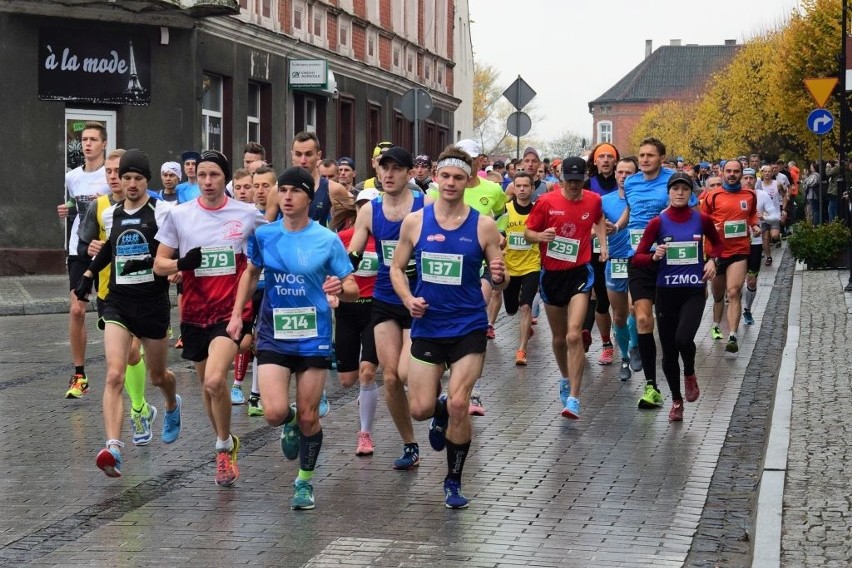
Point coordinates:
[[678, 317]]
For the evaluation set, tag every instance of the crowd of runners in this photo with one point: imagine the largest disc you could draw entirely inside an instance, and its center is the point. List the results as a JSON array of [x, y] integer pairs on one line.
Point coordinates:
[[304, 270]]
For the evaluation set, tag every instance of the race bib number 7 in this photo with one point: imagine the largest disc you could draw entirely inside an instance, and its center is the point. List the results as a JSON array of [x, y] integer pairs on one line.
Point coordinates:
[[217, 261]]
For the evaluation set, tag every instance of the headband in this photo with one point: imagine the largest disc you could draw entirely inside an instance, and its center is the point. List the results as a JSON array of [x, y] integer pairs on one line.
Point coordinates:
[[603, 147], [454, 162]]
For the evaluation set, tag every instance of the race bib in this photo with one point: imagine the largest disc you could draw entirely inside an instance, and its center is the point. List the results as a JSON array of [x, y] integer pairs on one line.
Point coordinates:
[[734, 229], [516, 241], [618, 268], [369, 265], [441, 268], [388, 248], [134, 277], [562, 248], [635, 237], [294, 323], [217, 261], [680, 253], [596, 245]]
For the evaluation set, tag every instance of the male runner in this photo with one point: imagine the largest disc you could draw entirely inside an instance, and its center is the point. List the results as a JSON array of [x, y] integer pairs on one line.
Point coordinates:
[[188, 190], [346, 174], [170, 177], [765, 212]]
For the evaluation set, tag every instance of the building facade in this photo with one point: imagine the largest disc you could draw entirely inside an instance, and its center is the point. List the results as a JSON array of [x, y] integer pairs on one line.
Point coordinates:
[[170, 75]]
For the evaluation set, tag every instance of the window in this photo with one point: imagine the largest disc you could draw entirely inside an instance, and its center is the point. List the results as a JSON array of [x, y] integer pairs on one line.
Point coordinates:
[[211, 112], [374, 127], [410, 63], [253, 113], [403, 131], [310, 114], [427, 71], [396, 57], [440, 74], [346, 127], [371, 45], [259, 11], [297, 17], [344, 35], [604, 131], [318, 18]]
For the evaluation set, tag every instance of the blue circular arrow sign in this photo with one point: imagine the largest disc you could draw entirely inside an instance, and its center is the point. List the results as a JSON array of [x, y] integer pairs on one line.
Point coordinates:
[[820, 121]]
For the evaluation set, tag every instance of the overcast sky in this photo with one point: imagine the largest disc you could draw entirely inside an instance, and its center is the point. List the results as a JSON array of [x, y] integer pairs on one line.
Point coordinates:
[[571, 51]]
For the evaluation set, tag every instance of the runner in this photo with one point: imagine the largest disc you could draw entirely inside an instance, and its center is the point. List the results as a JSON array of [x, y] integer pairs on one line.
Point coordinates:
[[137, 305], [188, 190], [562, 222], [771, 230], [679, 234], [170, 177], [382, 218], [734, 212], [449, 241], [766, 212], [211, 232], [302, 262]]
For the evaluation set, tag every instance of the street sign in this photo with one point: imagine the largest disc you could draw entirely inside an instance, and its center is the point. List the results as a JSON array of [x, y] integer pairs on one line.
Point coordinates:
[[518, 123], [821, 88], [416, 104], [820, 121], [519, 93]]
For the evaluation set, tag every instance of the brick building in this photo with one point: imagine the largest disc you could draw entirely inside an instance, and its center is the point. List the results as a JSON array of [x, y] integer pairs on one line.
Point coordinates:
[[671, 72]]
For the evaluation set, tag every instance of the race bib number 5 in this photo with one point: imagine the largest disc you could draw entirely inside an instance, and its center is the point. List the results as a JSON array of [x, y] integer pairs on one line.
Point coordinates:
[[681, 253], [217, 261], [294, 323], [562, 248], [440, 268]]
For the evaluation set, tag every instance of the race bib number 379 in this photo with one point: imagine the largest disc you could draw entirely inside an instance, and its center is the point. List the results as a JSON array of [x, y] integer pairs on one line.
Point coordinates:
[[217, 261]]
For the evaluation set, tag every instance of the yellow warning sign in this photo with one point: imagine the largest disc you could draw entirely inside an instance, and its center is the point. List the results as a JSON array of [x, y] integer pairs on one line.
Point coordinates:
[[821, 88]]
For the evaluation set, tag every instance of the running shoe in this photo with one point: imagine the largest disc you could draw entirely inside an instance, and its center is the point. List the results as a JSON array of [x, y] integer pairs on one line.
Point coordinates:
[[476, 407], [731, 346], [768, 261], [179, 342], [255, 408], [438, 430], [77, 386], [237, 396], [607, 354], [676, 413], [410, 458], [587, 340], [635, 360], [141, 425], [748, 319], [564, 391], [227, 471], [303, 496], [521, 357], [290, 435], [324, 407], [572, 409], [691, 389], [652, 398], [716, 333], [171, 423], [453, 497], [490, 333], [365, 444], [624, 373], [109, 461]]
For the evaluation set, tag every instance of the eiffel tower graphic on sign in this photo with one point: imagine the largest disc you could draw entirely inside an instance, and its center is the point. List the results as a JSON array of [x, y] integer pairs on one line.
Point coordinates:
[[134, 86]]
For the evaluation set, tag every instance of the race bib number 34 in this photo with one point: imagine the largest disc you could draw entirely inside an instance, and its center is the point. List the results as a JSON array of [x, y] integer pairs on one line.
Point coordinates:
[[441, 268], [562, 248], [680, 253], [217, 261], [618, 268], [294, 323]]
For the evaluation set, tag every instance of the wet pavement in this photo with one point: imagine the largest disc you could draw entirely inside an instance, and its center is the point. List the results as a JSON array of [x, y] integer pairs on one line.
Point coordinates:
[[619, 487]]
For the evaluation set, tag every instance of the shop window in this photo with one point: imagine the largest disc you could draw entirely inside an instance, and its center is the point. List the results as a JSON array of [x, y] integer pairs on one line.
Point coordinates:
[[211, 112], [253, 113]]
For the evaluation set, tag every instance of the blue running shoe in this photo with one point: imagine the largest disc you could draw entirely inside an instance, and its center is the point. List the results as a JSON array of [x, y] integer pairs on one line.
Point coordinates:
[[303, 497], [564, 391], [453, 498], [141, 425], [324, 408], [237, 396], [572, 408], [438, 430], [410, 458], [290, 435], [748, 319], [109, 461], [171, 423]]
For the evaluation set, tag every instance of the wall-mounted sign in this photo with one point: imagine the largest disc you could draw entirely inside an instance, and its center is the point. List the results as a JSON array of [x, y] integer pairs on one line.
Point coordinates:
[[308, 73], [96, 66]]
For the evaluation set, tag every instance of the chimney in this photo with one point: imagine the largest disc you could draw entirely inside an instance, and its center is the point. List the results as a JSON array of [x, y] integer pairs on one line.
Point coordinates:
[[730, 42], [649, 47], [675, 42]]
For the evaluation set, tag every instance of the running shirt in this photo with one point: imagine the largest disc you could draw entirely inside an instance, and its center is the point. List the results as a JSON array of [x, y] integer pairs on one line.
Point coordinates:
[[222, 233], [449, 264], [83, 187], [734, 213], [601, 185], [97, 226], [170, 197], [365, 276], [132, 236], [539, 188], [772, 190], [613, 206], [295, 317], [767, 212], [520, 256], [320, 208], [487, 198], [573, 221], [186, 192], [386, 234], [646, 199]]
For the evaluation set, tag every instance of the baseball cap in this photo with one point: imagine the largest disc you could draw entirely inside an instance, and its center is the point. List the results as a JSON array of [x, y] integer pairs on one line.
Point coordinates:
[[679, 177], [499, 164], [399, 155], [346, 162], [531, 150], [381, 147], [573, 167], [368, 194], [190, 155], [470, 147]]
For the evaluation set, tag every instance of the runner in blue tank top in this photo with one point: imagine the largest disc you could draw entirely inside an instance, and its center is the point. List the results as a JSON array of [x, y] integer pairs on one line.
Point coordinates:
[[679, 234], [392, 323], [449, 241]]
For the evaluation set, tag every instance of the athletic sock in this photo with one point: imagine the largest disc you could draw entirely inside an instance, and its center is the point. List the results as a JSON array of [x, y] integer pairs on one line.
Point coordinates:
[[748, 297], [456, 455], [134, 384], [368, 400], [80, 370], [241, 363], [606, 340], [309, 448], [225, 445], [633, 331], [305, 475], [622, 337], [648, 353]]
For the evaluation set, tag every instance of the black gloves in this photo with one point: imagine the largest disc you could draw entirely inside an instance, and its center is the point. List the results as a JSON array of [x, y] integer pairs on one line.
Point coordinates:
[[84, 288], [355, 259], [191, 260], [136, 265]]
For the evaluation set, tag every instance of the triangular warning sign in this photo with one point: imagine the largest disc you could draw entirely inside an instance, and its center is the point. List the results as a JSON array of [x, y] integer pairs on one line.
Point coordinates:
[[821, 88]]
